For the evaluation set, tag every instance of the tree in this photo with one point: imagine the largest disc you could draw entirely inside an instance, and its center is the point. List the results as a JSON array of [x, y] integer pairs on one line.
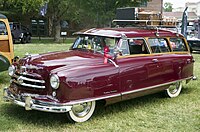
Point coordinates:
[[20, 8], [89, 13], [86, 13], [168, 7], [101, 12], [23, 6], [60, 10]]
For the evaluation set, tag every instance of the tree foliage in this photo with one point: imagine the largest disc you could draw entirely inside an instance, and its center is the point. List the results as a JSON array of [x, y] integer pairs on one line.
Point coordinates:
[[85, 13], [23, 6], [100, 12], [168, 7]]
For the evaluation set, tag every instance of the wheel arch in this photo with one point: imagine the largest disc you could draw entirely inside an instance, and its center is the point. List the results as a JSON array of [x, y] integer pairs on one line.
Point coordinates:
[[4, 63]]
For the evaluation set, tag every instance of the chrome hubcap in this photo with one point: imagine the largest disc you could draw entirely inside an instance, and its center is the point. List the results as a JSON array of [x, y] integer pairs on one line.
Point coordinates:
[[81, 110], [174, 88]]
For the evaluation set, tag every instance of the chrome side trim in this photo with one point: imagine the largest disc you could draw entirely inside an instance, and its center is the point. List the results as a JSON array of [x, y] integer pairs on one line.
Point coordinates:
[[147, 88], [93, 99], [87, 100], [124, 93], [155, 86]]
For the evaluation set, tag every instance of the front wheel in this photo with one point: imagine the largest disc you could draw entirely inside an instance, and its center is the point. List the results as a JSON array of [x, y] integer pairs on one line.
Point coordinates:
[[28, 39], [81, 112], [174, 90]]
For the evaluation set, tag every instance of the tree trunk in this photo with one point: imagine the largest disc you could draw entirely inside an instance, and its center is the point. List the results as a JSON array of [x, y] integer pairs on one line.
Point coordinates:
[[57, 29]]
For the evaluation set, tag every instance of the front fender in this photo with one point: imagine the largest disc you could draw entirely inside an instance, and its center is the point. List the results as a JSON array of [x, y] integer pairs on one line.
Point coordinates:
[[88, 82]]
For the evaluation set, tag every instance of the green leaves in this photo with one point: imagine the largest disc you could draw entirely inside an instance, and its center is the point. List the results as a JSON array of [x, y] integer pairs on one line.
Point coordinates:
[[168, 7], [22, 6]]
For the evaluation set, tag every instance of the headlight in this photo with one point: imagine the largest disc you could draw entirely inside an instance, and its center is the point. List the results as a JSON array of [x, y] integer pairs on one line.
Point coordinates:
[[54, 81], [11, 70]]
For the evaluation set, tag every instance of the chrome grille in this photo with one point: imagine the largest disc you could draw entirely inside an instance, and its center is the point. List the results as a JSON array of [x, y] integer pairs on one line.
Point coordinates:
[[27, 81]]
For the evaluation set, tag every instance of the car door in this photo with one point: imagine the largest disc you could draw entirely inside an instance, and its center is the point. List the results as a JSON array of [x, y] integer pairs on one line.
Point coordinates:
[[139, 70], [161, 52], [6, 46], [182, 60]]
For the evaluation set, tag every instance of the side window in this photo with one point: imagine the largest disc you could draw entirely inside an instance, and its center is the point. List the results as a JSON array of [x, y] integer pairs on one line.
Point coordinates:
[[123, 46], [137, 46], [3, 30], [178, 44], [158, 45]]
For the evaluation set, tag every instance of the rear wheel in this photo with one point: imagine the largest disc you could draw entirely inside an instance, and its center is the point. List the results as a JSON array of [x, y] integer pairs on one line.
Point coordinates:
[[28, 39], [81, 112], [174, 90]]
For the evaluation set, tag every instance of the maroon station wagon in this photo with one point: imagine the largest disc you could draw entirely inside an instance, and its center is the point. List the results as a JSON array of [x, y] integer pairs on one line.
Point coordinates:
[[103, 65]]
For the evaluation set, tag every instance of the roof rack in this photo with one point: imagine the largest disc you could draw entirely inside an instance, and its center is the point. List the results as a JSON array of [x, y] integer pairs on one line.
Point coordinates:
[[150, 24], [147, 23]]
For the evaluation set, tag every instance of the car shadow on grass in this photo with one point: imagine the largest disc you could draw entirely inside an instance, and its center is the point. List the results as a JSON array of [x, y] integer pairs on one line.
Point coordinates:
[[38, 118], [187, 90], [130, 104], [140, 102]]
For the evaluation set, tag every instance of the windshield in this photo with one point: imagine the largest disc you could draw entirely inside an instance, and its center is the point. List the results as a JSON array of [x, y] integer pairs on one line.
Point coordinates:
[[95, 43]]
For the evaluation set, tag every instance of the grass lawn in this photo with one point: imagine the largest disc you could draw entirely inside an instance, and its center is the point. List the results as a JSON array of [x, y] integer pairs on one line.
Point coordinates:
[[150, 113]]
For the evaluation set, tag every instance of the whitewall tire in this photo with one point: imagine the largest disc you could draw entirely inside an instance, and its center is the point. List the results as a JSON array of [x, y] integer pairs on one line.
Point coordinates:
[[81, 112], [174, 90]]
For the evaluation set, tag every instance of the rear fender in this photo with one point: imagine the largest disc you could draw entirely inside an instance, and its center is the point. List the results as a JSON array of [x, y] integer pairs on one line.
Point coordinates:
[[4, 63]]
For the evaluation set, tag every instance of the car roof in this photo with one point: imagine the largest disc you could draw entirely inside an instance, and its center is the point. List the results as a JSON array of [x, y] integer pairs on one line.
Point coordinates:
[[128, 32], [2, 16]]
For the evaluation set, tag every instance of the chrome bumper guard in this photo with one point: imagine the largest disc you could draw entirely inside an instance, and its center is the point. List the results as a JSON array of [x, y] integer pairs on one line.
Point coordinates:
[[29, 104], [194, 78]]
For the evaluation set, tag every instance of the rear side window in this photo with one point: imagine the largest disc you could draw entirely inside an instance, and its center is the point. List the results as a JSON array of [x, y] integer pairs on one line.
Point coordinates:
[[178, 44], [3, 30], [137, 46], [158, 45]]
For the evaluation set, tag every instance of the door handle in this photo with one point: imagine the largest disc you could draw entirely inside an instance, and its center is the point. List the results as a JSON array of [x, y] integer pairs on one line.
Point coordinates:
[[155, 60]]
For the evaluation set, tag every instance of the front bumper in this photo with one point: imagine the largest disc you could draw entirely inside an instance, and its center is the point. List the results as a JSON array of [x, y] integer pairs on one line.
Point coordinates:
[[32, 104]]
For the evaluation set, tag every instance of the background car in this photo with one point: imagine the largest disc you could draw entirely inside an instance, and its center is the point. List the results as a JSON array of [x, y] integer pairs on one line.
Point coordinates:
[[6, 45], [20, 33], [194, 44]]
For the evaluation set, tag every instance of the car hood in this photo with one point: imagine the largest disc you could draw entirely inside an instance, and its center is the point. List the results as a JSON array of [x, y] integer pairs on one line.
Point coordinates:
[[70, 59]]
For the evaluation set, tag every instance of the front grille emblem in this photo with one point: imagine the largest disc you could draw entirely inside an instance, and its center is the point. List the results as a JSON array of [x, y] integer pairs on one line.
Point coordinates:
[[23, 70]]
